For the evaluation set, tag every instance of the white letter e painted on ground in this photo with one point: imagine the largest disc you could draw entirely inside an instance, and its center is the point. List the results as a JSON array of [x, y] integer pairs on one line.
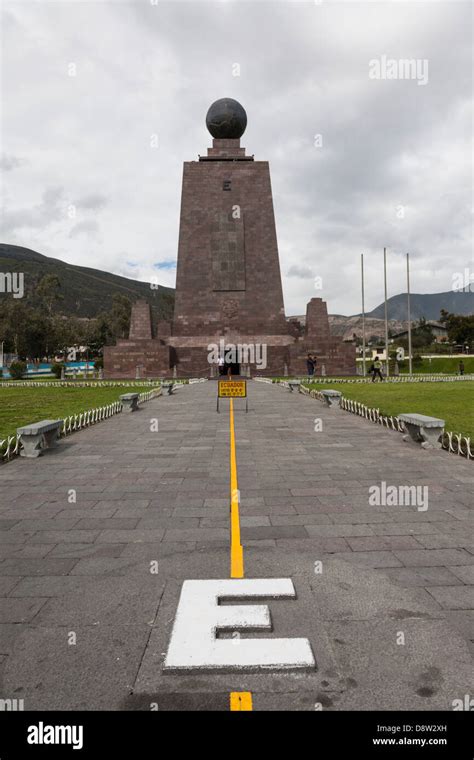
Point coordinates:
[[201, 614]]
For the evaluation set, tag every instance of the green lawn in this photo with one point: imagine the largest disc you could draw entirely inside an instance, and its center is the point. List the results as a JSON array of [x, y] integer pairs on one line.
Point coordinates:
[[453, 402], [447, 365], [20, 405]]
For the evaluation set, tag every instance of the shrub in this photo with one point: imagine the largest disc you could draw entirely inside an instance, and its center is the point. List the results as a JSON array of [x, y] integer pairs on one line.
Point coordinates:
[[17, 370], [56, 369]]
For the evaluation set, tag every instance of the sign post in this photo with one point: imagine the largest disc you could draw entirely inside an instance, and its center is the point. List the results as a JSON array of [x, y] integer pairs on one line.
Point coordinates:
[[232, 389]]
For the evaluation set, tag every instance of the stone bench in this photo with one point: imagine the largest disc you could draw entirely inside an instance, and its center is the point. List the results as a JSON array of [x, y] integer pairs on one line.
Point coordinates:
[[294, 384], [423, 429], [332, 398], [38, 436], [129, 401], [168, 386]]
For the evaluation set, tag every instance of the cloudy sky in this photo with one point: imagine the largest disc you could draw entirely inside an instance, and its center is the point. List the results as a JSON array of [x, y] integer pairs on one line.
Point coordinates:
[[103, 101]]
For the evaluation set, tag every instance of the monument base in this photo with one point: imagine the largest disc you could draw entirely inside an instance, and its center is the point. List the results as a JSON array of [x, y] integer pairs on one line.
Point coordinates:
[[257, 355]]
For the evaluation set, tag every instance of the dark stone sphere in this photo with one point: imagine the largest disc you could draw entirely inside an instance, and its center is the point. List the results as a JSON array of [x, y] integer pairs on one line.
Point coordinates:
[[226, 119]]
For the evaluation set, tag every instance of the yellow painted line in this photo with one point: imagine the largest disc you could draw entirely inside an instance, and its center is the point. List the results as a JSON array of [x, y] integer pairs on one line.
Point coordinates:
[[241, 701], [236, 548]]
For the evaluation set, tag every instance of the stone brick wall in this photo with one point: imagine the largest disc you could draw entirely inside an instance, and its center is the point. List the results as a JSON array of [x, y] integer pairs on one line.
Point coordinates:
[[220, 195], [140, 321], [151, 357]]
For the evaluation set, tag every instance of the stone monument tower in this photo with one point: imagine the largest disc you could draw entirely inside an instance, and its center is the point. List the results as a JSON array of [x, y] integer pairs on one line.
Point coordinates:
[[228, 283]]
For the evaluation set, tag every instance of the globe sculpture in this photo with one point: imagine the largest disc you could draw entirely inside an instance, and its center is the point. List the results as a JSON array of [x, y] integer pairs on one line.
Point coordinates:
[[226, 119]]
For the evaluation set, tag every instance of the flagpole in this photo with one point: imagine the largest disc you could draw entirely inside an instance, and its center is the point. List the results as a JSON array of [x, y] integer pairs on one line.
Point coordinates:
[[386, 310], [410, 368], [363, 314]]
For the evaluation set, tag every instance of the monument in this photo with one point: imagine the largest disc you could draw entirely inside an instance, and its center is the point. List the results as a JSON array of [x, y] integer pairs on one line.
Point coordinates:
[[228, 283]]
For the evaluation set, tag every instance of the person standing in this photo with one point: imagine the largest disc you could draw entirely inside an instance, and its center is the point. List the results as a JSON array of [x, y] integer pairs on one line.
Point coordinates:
[[315, 362], [377, 371], [310, 365], [461, 367]]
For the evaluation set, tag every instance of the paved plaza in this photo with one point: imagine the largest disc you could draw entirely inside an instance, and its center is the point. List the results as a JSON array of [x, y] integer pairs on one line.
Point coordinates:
[[99, 534]]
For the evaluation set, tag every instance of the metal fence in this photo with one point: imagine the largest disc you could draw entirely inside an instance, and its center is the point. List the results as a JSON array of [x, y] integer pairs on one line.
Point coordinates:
[[319, 379]]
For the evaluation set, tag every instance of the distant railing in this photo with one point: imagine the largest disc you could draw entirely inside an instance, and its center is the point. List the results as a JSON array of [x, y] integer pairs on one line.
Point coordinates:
[[421, 378], [79, 383], [10, 447]]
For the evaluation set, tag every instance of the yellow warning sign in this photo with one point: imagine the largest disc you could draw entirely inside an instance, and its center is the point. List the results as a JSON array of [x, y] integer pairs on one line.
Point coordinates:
[[232, 389]]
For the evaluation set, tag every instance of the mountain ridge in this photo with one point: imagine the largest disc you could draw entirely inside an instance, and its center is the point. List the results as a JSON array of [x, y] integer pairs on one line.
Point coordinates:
[[90, 291]]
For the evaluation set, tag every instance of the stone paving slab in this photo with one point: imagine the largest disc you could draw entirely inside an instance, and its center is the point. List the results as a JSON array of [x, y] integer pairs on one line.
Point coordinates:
[[152, 510]]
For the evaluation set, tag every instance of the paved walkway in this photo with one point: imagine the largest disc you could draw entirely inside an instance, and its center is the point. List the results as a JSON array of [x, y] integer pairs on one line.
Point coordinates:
[[86, 619]]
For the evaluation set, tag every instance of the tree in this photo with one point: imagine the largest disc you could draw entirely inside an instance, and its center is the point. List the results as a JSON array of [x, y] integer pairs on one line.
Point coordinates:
[[36, 331], [98, 333], [17, 370], [423, 333], [110, 325], [48, 291], [67, 332], [460, 327], [57, 369], [25, 330], [120, 315]]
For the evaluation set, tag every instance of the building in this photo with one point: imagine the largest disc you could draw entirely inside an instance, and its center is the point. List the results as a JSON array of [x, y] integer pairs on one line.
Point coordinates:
[[439, 330]]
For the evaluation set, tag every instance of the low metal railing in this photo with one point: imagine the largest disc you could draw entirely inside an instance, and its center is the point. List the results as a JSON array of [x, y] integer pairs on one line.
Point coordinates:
[[319, 379]]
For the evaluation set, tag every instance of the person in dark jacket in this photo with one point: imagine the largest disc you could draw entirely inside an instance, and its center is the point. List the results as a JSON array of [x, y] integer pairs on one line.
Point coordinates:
[[310, 365]]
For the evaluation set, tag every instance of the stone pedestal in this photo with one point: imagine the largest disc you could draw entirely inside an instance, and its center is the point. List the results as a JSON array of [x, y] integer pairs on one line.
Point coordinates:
[[332, 398], [129, 402]]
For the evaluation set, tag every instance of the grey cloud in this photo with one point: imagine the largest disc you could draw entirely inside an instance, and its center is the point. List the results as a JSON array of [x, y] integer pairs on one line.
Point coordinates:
[[304, 71], [89, 227], [93, 201], [302, 272], [40, 216], [8, 162]]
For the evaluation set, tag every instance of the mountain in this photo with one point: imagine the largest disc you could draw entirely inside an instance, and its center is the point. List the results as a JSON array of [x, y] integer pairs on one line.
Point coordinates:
[[85, 291], [347, 327], [426, 305], [88, 291]]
